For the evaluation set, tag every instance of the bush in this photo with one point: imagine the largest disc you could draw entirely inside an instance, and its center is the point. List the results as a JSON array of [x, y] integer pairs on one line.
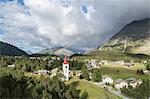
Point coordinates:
[[84, 95]]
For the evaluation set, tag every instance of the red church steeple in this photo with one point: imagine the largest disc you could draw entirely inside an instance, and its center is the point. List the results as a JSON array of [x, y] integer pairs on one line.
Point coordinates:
[[65, 60]]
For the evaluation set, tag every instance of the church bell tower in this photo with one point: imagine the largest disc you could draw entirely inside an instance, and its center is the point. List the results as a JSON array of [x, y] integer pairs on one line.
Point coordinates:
[[66, 69]]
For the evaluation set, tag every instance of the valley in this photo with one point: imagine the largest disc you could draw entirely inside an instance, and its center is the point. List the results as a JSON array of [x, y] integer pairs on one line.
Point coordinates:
[[118, 69]]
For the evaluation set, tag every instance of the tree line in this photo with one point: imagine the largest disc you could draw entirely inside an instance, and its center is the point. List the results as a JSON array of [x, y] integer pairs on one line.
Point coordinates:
[[30, 65], [14, 84]]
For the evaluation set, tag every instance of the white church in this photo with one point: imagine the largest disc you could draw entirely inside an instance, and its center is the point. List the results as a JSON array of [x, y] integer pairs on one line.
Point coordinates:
[[66, 69]]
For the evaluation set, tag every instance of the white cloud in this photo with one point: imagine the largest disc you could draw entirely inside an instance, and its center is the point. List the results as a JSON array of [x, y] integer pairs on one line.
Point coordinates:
[[61, 22]]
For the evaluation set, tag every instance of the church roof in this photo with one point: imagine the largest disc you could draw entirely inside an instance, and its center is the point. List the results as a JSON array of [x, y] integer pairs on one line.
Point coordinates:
[[65, 61]]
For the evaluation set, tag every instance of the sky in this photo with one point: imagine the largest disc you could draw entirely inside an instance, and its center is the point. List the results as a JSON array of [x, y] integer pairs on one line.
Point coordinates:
[[83, 24]]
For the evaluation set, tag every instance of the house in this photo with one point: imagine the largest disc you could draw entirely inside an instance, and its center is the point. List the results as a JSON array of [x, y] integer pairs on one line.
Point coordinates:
[[144, 62], [107, 80], [88, 65], [41, 72], [54, 58], [71, 73], [98, 65], [119, 63], [104, 62], [119, 84], [32, 58], [146, 71], [78, 73], [93, 64], [90, 75], [133, 82], [12, 66], [18, 56], [128, 64]]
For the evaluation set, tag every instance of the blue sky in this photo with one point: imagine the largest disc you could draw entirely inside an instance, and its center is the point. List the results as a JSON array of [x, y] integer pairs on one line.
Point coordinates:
[[7, 1], [38, 24]]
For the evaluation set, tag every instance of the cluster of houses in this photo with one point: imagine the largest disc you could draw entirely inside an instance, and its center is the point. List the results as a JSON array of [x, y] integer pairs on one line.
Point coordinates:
[[45, 58], [92, 63], [65, 71], [120, 83]]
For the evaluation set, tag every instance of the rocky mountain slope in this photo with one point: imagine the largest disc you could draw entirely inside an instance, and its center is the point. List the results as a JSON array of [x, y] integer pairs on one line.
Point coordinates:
[[7, 49], [133, 38], [61, 51]]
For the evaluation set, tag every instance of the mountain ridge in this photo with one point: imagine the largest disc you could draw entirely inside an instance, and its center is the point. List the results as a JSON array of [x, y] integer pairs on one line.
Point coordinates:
[[133, 38], [61, 51], [11, 50]]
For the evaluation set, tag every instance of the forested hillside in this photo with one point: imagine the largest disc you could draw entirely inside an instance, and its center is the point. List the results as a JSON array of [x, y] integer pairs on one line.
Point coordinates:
[[7, 49]]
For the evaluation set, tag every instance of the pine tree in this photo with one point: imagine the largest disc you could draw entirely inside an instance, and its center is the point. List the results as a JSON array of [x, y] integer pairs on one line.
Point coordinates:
[[96, 75]]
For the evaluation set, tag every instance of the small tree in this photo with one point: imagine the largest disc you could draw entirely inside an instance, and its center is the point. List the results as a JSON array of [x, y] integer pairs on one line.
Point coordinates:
[[84, 95], [148, 67], [72, 88], [96, 75], [85, 73]]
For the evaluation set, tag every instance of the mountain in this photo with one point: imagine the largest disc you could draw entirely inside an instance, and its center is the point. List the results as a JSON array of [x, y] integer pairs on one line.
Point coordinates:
[[29, 52], [133, 38], [64, 51], [61, 51], [49, 50], [7, 49]]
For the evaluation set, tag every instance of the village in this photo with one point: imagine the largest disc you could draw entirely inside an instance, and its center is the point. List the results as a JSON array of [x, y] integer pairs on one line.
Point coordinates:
[[106, 82]]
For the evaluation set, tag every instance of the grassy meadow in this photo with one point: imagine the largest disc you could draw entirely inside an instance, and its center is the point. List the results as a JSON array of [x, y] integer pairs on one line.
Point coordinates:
[[124, 72], [94, 92]]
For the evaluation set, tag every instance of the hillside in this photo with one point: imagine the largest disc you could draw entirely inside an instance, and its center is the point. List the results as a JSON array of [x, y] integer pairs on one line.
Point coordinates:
[[133, 38], [7, 49]]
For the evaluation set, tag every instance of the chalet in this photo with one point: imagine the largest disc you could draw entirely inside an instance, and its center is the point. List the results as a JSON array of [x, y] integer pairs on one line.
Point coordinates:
[[32, 58], [93, 64], [133, 82], [119, 84], [55, 58], [18, 56], [146, 71], [107, 80], [88, 65], [78, 73], [144, 62], [12, 66]]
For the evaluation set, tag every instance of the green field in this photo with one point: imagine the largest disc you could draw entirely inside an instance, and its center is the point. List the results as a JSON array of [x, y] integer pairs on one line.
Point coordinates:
[[94, 92], [124, 72]]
